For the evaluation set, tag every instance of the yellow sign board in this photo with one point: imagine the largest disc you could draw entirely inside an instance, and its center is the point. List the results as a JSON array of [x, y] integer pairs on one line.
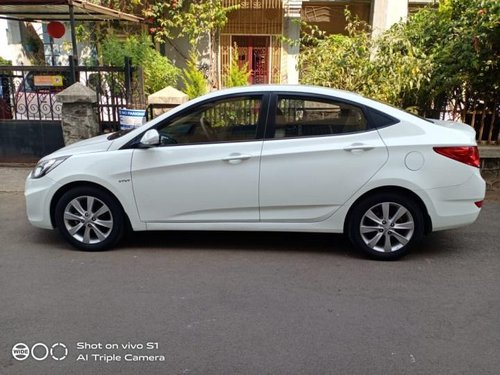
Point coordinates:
[[54, 81]]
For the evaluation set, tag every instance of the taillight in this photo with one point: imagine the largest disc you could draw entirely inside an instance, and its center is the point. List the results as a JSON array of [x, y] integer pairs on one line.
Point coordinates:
[[479, 204], [464, 154]]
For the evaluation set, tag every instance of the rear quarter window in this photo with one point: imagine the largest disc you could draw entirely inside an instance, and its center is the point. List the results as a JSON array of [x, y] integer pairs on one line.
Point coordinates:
[[379, 119]]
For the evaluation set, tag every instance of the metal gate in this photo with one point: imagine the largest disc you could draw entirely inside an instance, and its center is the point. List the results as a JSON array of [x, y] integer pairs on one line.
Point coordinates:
[[27, 93], [30, 116]]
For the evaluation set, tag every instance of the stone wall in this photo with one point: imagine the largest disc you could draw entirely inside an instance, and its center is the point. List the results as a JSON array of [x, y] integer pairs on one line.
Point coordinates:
[[79, 122], [79, 119], [490, 166], [490, 170]]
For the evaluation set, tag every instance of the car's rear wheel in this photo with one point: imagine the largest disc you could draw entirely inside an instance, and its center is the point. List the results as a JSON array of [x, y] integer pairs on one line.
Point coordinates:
[[89, 218], [385, 226]]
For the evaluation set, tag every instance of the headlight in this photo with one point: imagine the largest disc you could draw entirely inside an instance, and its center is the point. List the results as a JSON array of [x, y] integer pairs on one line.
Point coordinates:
[[44, 167]]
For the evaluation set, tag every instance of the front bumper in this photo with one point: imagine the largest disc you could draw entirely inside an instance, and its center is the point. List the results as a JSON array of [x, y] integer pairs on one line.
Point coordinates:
[[38, 194]]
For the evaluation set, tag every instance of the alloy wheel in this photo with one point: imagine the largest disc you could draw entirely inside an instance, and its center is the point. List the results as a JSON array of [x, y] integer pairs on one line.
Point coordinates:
[[387, 227], [88, 219]]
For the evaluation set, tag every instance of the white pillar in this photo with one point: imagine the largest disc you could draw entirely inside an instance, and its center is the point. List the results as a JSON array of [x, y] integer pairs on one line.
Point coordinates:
[[386, 13], [291, 30]]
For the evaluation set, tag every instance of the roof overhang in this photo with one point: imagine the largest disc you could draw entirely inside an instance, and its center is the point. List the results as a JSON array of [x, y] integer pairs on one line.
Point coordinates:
[[58, 10]]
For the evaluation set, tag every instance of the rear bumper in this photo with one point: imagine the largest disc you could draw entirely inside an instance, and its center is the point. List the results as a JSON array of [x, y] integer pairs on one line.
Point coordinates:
[[454, 206]]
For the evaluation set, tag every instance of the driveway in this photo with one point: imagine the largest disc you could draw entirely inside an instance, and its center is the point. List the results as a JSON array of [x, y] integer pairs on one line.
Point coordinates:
[[247, 303]]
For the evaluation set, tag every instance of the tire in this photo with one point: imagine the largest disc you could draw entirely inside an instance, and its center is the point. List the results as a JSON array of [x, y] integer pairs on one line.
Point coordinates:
[[385, 226], [89, 218]]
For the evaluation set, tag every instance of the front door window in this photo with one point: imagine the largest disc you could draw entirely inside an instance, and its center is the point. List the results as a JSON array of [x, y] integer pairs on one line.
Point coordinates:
[[227, 120]]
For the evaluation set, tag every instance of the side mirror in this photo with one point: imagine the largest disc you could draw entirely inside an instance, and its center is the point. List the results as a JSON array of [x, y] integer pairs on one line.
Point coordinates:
[[150, 139]]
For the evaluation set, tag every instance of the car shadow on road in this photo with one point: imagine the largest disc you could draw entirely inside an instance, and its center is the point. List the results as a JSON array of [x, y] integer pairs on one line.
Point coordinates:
[[247, 241], [434, 245], [437, 245]]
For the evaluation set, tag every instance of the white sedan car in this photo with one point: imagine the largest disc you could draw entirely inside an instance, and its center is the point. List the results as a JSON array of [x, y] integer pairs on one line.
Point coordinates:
[[266, 158]]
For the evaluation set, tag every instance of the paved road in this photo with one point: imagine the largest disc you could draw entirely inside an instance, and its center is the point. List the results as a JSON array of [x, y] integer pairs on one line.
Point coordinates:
[[243, 303]]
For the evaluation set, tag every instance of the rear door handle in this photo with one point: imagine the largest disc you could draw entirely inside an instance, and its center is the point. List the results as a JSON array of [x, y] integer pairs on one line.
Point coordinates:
[[236, 158], [358, 147]]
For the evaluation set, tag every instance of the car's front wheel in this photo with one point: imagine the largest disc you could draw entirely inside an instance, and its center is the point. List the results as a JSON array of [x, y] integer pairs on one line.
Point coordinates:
[[89, 218], [385, 226]]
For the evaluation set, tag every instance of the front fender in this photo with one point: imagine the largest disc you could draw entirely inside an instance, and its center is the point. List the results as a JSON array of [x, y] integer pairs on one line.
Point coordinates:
[[112, 172]]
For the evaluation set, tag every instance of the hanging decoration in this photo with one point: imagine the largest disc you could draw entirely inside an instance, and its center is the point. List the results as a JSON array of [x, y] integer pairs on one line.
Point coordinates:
[[56, 29]]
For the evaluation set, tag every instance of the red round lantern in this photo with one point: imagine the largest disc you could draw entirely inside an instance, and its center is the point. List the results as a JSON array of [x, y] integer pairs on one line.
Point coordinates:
[[56, 29]]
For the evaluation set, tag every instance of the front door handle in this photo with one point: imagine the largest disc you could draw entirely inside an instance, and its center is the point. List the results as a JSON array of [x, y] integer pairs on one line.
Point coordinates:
[[236, 158], [358, 147]]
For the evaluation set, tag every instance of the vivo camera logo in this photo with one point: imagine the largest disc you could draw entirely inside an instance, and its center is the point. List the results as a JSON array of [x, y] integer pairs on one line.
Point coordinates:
[[40, 351]]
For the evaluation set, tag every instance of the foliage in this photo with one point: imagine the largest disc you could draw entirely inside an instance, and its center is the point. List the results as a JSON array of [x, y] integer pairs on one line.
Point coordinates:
[[403, 69], [169, 20], [236, 75], [194, 18], [4, 62], [379, 68], [461, 39], [439, 57], [159, 72], [194, 81]]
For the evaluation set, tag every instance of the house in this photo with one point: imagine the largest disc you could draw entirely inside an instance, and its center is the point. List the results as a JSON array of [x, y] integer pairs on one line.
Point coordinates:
[[257, 27]]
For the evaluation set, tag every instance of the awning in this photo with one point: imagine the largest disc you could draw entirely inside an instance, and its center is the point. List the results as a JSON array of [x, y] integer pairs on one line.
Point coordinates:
[[58, 10]]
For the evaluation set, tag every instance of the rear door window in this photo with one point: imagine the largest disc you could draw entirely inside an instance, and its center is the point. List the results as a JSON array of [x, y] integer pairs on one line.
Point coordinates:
[[312, 117]]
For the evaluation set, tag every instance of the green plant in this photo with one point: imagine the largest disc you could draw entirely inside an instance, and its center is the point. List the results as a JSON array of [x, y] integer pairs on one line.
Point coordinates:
[[194, 81], [236, 75], [159, 72], [4, 61]]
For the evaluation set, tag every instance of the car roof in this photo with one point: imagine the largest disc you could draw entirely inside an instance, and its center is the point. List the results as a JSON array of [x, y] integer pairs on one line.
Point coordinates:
[[291, 88]]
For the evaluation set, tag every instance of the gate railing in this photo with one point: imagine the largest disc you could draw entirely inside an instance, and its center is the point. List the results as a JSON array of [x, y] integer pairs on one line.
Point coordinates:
[[483, 117], [29, 92]]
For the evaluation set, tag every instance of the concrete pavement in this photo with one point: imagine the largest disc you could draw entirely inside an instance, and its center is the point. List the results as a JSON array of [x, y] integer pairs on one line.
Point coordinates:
[[12, 178]]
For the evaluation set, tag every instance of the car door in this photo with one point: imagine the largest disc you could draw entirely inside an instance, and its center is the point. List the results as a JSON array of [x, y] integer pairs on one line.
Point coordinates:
[[207, 166], [319, 152]]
